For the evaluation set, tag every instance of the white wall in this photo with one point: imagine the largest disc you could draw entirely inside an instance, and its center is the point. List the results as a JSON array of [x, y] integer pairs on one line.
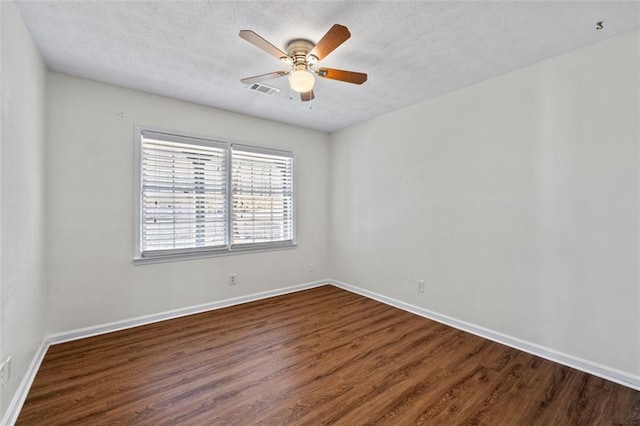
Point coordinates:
[[89, 159], [516, 200], [22, 284]]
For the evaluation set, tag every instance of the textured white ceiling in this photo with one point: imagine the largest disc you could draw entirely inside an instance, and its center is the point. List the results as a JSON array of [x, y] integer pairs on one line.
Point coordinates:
[[412, 51]]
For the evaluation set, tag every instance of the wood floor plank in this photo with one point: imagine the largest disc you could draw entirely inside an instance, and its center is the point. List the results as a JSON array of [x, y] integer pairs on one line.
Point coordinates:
[[321, 356]]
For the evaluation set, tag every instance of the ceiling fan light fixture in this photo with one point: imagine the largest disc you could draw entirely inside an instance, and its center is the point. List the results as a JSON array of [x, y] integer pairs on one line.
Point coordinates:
[[301, 81], [301, 56]]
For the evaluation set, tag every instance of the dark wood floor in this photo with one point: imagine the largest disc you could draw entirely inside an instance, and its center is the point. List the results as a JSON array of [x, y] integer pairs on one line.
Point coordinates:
[[321, 356]]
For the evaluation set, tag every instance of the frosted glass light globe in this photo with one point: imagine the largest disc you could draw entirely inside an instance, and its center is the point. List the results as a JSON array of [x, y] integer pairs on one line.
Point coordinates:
[[301, 81]]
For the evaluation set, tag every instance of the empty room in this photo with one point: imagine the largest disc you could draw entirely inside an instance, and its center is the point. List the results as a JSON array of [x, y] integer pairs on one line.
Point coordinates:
[[319, 212]]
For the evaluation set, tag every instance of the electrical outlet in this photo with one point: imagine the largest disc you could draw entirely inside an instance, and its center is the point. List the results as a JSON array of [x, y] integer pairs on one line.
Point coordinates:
[[233, 279], [420, 286], [311, 267]]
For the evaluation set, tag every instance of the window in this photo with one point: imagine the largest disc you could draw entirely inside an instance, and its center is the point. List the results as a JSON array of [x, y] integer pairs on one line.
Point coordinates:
[[196, 196], [262, 196]]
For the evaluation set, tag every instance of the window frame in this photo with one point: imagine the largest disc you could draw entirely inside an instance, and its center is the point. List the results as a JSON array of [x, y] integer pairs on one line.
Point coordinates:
[[230, 249]]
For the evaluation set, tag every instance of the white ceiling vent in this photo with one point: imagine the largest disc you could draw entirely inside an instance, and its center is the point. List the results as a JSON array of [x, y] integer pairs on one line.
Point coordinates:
[[263, 88]]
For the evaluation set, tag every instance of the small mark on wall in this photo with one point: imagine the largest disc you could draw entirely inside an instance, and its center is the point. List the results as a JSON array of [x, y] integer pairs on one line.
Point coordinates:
[[120, 115]]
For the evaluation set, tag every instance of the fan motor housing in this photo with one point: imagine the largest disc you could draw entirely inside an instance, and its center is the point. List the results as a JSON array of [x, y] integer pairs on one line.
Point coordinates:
[[298, 50]]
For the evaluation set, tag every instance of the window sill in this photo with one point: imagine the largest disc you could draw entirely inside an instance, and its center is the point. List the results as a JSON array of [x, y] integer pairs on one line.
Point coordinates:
[[213, 253]]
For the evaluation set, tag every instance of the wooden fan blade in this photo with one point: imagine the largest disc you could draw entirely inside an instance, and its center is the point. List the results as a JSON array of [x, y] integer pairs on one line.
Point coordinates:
[[337, 35], [342, 75], [261, 77], [261, 43], [307, 96]]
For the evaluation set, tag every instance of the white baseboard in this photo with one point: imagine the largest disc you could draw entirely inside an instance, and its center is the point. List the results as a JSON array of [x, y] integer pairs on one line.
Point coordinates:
[[11, 415], [82, 333], [621, 377]]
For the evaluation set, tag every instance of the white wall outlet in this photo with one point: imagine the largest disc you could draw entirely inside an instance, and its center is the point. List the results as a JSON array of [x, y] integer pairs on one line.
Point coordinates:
[[233, 279], [311, 267], [420, 286]]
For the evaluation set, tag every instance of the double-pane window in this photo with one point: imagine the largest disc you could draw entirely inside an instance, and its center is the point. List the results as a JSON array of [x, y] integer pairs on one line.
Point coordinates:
[[196, 195]]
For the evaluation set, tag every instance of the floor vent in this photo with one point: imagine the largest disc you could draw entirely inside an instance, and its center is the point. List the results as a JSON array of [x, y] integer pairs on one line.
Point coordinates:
[[263, 88]]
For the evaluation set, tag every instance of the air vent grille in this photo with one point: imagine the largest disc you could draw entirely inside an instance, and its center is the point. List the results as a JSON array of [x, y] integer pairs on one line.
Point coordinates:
[[263, 88]]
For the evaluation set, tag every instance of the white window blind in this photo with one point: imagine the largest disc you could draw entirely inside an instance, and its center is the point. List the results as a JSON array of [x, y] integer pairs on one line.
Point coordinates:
[[195, 195], [262, 196], [184, 194]]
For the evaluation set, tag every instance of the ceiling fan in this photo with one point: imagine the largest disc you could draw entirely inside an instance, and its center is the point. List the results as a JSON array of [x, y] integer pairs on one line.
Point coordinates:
[[301, 56]]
